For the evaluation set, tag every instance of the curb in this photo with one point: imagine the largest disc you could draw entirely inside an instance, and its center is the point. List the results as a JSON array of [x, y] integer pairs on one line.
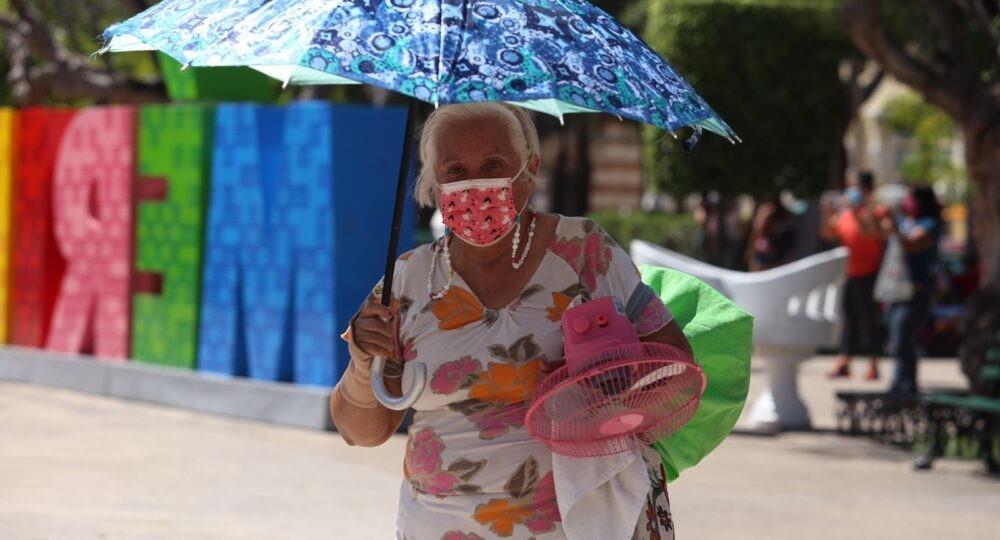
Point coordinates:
[[274, 402]]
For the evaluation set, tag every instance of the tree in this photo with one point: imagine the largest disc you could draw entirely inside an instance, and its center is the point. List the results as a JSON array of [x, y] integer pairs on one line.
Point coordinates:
[[949, 52], [47, 46], [772, 70], [931, 134]]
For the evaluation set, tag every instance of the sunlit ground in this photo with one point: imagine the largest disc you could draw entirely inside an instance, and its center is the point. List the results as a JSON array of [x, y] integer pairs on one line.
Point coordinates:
[[79, 466]]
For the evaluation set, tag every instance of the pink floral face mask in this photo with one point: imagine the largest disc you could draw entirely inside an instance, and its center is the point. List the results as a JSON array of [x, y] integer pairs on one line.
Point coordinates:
[[480, 212]]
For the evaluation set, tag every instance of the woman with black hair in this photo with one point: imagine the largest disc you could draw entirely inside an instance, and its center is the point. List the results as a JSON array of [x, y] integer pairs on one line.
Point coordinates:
[[772, 236], [918, 230]]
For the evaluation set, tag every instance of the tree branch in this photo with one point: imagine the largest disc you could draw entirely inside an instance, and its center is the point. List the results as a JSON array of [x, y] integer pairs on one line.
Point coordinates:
[[858, 91], [977, 10], [59, 72], [142, 5], [956, 52], [869, 89], [866, 30], [34, 30]]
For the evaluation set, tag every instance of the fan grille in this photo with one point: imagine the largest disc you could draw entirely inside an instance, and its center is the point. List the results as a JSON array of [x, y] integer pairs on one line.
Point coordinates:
[[624, 398]]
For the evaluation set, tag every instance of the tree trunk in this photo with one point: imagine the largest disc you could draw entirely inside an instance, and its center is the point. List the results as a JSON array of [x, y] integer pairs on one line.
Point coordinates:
[[981, 327], [838, 155], [982, 156], [561, 176], [570, 192]]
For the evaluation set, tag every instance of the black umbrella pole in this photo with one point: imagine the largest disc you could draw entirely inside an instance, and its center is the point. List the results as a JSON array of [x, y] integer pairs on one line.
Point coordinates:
[[397, 213]]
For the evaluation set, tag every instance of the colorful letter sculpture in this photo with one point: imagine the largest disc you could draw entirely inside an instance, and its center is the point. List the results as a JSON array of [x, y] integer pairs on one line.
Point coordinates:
[[243, 316], [237, 240], [37, 266], [8, 118], [92, 210], [295, 230], [174, 158]]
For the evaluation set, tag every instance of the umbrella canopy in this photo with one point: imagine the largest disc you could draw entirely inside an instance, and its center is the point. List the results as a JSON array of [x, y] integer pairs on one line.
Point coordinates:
[[554, 56]]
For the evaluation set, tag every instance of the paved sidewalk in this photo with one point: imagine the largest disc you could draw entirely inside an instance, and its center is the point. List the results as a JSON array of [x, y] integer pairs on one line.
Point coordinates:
[[79, 466]]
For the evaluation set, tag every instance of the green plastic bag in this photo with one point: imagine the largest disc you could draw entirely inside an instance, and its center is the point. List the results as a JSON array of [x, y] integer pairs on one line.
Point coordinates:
[[721, 335]]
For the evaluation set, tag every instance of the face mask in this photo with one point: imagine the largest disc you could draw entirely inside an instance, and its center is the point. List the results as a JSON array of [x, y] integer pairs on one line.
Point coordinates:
[[480, 212], [854, 196]]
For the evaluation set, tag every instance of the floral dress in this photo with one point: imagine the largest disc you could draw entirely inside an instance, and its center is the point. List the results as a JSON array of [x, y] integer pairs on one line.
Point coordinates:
[[472, 471]]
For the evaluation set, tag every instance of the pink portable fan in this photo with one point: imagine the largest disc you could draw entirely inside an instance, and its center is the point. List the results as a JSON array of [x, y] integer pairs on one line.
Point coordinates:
[[615, 393]]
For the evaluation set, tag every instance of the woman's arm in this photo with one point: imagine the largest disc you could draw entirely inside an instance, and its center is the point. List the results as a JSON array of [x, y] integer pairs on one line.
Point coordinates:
[[359, 417], [828, 226], [671, 334], [365, 426], [915, 240]]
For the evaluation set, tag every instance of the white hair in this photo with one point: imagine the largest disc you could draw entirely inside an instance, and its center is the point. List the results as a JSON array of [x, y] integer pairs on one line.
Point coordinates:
[[523, 136]]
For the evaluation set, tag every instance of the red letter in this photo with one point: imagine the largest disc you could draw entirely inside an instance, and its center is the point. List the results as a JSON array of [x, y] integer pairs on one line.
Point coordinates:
[[37, 267]]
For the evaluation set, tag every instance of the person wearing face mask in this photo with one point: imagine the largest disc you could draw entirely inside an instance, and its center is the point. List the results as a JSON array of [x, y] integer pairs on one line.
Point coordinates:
[[481, 308], [856, 226], [919, 231]]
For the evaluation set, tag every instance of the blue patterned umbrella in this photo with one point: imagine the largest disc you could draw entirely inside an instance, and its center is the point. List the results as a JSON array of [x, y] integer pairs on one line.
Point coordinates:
[[553, 56]]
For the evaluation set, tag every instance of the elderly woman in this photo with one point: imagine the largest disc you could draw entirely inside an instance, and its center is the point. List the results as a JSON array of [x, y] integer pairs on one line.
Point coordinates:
[[481, 309]]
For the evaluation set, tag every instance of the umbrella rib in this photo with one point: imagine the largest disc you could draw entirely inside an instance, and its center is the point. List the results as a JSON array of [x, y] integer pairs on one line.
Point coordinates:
[[458, 49], [440, 58]]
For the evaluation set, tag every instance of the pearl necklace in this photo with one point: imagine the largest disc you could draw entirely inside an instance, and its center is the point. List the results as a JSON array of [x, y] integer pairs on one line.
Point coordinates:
[[442, 247], [437, 295], [517, 240]]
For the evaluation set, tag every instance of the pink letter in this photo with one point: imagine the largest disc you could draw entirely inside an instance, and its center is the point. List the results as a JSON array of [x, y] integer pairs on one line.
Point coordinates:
[[92, 207]]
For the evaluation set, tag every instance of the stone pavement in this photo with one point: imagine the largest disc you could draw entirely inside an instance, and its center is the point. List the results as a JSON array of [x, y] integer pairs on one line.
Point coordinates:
[[80, 466]]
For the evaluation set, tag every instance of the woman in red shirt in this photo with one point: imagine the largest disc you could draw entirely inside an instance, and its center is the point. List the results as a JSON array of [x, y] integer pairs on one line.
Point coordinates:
[[856, 227]]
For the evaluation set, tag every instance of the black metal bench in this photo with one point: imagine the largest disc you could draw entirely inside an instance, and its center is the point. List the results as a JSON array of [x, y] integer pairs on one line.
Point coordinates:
[[973, 417], [889, 418], [967, 420]]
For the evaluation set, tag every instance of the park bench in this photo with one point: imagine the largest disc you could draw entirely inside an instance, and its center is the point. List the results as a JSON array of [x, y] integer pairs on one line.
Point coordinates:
[[897, 419], [973, 416], [795, 312]]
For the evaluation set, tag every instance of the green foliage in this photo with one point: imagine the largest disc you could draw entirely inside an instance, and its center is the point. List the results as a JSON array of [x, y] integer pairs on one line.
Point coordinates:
[[631, 13], [678, 232], [771, 69], [932, 133]]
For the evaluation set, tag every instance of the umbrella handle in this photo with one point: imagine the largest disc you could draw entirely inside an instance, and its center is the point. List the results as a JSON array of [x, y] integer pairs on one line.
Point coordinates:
[[405, 401]]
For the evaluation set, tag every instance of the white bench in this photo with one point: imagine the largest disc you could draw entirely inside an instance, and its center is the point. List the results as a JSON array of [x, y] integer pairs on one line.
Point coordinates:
[[795, 312]]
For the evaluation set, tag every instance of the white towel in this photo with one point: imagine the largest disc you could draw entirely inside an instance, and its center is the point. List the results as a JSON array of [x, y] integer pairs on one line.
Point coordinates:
[[600, 498]]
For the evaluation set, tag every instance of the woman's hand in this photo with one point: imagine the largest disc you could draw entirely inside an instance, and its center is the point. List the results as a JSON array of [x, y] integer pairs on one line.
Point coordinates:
[[373, 331], [360, 419], [888, 223]]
